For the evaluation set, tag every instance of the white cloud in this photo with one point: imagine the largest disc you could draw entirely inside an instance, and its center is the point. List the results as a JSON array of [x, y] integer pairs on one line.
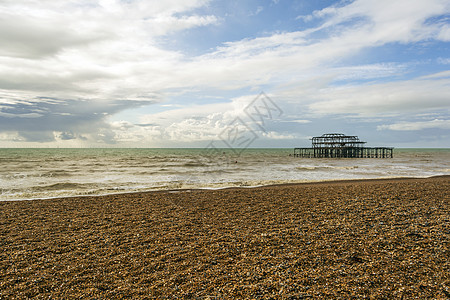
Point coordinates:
[[207, 122], [439, 75], [412, 126], [31, 37], [281, 56], [300, 121], [444, 33], [391, 98], [390, 21], [109, 50], [277, 135], [18, 115], [444, 61], [258, 10], [91, 49], [166, 24]]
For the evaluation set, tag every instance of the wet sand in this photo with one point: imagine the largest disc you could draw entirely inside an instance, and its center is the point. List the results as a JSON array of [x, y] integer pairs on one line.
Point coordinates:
[[376, 239]]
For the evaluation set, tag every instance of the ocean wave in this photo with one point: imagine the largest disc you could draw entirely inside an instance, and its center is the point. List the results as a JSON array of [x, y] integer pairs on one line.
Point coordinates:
[[317, 168], [93, 172], [308, 168], [194, 164], [63, 186], [56, 173], [217, 171], [347, 168]]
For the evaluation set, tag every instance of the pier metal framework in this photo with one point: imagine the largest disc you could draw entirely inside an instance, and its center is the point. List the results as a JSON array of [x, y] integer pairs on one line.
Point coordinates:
[[338, 145]]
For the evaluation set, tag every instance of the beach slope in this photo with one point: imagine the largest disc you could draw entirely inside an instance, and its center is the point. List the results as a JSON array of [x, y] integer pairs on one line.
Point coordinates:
[[380, 239]]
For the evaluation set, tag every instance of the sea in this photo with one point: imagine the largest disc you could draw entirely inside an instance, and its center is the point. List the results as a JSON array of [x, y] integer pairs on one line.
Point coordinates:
[[27, 174]]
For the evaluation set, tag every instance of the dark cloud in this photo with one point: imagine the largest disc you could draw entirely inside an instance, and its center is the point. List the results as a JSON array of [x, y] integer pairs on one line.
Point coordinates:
[[38, 119], [38, 136], [68, 135]]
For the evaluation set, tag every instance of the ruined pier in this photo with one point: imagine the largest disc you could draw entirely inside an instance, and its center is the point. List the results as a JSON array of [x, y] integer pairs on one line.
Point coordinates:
[[338, 145]]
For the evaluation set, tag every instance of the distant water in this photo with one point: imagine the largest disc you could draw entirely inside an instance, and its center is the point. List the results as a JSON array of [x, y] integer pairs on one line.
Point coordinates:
[[44, 173]]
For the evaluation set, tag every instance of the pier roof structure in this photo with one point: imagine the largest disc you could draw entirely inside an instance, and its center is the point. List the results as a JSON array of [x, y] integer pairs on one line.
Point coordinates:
[[333, 140]]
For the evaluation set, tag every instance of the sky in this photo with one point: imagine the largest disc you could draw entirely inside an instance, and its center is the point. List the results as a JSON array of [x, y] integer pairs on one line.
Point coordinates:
[[249, 73]]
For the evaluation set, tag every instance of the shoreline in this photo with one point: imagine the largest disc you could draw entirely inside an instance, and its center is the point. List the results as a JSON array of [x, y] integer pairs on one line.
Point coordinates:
[[312, 182]]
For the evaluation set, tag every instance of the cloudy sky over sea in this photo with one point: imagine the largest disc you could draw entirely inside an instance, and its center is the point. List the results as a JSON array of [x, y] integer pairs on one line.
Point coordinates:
[[177, 73]]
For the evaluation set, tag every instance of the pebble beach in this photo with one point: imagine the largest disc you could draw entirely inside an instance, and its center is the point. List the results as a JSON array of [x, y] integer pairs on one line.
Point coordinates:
[[374, 239]]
